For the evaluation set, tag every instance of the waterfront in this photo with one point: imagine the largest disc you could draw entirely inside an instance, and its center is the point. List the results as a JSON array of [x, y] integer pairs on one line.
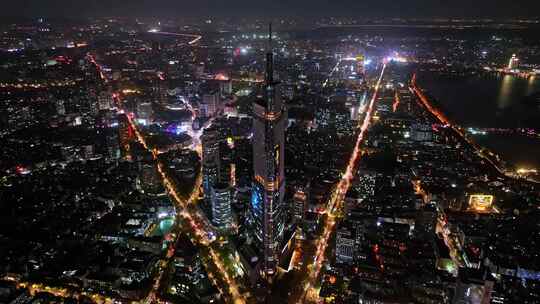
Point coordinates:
[[492, 102]]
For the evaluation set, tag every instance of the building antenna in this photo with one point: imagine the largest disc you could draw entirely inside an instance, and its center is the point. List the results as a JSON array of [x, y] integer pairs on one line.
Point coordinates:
[[270, 36], [269, 58]]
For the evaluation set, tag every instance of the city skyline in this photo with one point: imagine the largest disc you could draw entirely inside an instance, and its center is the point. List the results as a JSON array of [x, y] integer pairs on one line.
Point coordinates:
[[312, 160], [304, 8]]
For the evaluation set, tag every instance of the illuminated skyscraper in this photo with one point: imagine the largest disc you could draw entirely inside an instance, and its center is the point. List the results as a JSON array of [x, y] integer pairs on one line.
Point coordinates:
[[221, 205], [360, 65], [145, 113], [105, 100], [267, 207], [300, 201], [209, 104], [210, 159], [345, 241]]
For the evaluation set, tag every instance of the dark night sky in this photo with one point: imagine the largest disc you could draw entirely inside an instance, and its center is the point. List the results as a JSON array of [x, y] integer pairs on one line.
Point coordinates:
[[361, 8]]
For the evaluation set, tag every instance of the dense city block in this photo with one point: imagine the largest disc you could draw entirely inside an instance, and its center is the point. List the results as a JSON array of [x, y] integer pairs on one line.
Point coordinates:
[[269, 160]]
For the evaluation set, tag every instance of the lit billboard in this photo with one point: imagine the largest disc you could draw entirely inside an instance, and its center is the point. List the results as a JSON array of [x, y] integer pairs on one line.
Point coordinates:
[[480, 202]]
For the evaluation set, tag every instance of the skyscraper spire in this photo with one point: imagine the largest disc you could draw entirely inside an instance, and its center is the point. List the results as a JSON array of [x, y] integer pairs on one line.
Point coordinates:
[[270, 36], [269, 58]]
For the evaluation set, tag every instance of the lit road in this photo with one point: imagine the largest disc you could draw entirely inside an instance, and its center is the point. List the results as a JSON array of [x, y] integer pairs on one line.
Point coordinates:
[[397, 100], [61, 292], [334, 204], [195, 37], [200, 232], [325, 83], [456, 252]]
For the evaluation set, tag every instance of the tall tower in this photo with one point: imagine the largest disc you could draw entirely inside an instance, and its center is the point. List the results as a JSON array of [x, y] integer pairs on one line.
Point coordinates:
[[221, 205], [267, 207], [210, 159]]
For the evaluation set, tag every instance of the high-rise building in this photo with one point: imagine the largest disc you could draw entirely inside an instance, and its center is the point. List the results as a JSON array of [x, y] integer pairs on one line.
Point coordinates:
[[113, 146], [267, 208], [345, 242], [420, 132], [366, 184], [360, 65], [210, 159], [225, 87], [221, 205], [209, 105], [105, 100], [300, 202], [145, 113], [159, 89]]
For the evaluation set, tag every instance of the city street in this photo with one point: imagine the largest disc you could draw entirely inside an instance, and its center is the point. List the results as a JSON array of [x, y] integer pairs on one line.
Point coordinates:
[[334, 205]]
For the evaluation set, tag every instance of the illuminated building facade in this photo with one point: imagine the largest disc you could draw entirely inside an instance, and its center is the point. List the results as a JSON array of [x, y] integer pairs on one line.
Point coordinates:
[[267, 207], [221, 205], [360, 65], [480, 203], [113, 146], [105, 100], [145, 113], [210, 159], [209, 104], [513, 63], [345, 242], [300, 201], [160, 91], [366, 184]]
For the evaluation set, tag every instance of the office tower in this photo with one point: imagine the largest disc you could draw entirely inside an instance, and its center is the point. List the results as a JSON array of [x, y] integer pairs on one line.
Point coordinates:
[[300, 201], [159, 89], [421, 132], [210, 159], [267, 208], [113, 145], [366, 184], [345, 241], [145, 113], [209, 105], [105, 100], [221, 205], [360, 65], [225, 87]]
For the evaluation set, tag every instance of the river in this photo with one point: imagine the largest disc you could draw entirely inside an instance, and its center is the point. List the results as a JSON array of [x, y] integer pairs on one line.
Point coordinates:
[[492, 102]]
